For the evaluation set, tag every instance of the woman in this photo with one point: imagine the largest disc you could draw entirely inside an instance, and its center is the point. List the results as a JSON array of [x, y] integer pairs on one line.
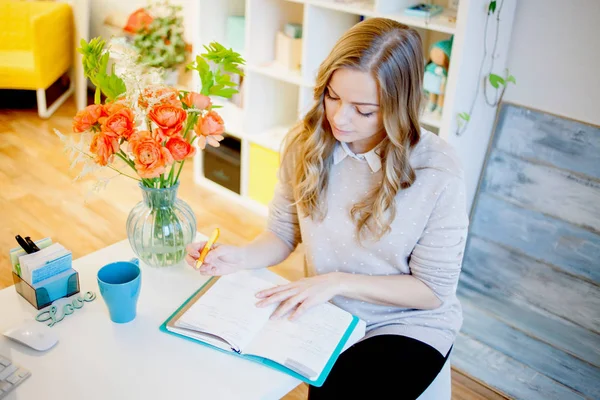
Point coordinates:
[[379, 204]]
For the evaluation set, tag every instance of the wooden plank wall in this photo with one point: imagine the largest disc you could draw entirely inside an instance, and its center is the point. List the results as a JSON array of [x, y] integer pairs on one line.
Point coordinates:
[[530, 285]]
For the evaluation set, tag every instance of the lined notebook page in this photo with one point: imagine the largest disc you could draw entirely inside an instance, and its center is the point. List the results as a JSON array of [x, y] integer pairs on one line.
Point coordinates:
[[228, 309], [304, 345]]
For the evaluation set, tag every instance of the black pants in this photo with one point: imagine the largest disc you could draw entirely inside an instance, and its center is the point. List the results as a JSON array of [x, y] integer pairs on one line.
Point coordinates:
[[381, 367]]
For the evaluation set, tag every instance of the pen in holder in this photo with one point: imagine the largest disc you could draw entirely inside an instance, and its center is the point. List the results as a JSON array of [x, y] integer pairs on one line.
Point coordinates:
[[55, 279]]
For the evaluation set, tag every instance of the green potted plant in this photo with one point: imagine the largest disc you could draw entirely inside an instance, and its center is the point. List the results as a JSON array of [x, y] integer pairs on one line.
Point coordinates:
[[156, 34]]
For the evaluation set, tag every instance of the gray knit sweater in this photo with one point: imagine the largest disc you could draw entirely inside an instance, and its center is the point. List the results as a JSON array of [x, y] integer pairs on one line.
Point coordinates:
[[427, 237]]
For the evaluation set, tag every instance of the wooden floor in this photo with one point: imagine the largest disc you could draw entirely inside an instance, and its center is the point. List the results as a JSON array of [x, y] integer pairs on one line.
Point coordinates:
[[38, 198]]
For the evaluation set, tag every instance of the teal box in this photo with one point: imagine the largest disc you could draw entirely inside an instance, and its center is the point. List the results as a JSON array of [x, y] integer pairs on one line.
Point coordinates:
[[235, 33], [293, 30], [45, 292]]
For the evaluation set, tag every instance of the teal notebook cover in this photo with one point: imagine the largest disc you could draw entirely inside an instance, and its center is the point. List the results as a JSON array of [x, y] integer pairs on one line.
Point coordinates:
[[272, 364]]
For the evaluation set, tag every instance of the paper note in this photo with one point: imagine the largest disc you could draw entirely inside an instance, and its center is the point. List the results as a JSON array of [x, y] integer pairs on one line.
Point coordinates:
[[43, 264]]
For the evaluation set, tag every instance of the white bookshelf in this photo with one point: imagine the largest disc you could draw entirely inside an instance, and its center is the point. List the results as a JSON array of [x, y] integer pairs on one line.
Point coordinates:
[[274, 98]]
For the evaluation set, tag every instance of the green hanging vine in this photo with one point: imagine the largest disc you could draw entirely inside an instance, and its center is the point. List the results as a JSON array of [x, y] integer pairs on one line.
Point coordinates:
[[498, 83]]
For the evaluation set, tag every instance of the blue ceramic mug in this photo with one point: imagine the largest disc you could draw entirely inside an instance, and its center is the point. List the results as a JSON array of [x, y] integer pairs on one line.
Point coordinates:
[[119, 285]]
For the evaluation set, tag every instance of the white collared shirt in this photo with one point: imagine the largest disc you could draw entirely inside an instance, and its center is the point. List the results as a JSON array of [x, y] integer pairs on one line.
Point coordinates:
[[372, 157]]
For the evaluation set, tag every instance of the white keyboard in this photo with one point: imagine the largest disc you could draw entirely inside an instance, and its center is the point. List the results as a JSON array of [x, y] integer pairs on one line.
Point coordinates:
[[11, 376]]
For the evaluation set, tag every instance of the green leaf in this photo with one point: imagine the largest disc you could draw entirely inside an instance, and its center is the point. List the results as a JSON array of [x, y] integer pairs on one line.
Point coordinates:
[[225, 80], [492, 7], [201, 65], [232, 69], [112, 86], [216, 88], [227, 92], [91, 52], [496, 80], [511, 79], [222, 78], [225, 60], [207, 83], [97, 96], [95, 63], [103, 64], [465, 116]]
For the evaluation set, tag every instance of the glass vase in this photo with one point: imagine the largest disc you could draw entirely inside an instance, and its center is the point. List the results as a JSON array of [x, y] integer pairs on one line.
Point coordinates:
[[160, 227]]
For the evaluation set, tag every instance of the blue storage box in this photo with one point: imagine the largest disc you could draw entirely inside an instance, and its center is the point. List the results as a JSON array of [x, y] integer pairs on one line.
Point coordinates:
[[45, 292]]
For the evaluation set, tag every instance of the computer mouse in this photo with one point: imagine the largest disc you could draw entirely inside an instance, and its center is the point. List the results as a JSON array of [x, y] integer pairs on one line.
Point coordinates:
[[33, 334]]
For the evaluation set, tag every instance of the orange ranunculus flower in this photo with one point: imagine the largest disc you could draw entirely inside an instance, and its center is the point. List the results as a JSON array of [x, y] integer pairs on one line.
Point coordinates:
[[158, 94], [120, 124], [210, 124], [196, 100], [115, 106], [179, 148], [151, 159], [168, 118], [209, 129], [88, 117], [138, 20], [104, 146], [212, 140]]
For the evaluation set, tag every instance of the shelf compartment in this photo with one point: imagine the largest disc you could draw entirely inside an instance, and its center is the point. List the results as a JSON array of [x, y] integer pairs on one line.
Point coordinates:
[[392, 9], [262, 176], [271, 138], [281, 73], [273, 102], [214, 22], [222, 165], [366, 7], [444, 22], [328, 26], [233, 117], [273, 16]]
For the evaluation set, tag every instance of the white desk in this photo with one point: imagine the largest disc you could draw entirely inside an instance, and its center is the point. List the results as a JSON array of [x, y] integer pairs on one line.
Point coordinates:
[[98, 359]]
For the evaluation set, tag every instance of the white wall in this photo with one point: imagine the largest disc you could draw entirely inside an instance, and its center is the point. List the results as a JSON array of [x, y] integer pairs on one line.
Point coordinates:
[[464, 82], [555, 57]]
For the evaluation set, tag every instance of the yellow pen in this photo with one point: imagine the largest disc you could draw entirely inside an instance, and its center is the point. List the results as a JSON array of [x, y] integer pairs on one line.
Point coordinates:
[[213, 238]]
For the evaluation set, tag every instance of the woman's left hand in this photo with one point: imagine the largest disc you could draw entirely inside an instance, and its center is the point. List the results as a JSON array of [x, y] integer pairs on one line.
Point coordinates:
[[302, 294]]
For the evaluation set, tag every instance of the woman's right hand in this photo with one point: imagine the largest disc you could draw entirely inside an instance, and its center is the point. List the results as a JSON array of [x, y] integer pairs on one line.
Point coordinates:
[[222, 259]]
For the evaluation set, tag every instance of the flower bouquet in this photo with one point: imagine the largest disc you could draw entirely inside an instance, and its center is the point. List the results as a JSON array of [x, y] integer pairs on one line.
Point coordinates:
[[146, 131]]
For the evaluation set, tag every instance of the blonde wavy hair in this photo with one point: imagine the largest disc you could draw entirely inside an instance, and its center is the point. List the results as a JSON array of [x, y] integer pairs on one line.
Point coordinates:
[[392, 53]]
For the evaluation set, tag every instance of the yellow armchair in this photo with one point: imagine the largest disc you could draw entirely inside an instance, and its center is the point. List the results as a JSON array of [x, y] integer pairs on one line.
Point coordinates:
[[36, 48]]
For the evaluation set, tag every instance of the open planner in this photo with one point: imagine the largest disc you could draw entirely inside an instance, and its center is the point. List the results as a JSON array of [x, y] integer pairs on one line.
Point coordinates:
[[223, 314]]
